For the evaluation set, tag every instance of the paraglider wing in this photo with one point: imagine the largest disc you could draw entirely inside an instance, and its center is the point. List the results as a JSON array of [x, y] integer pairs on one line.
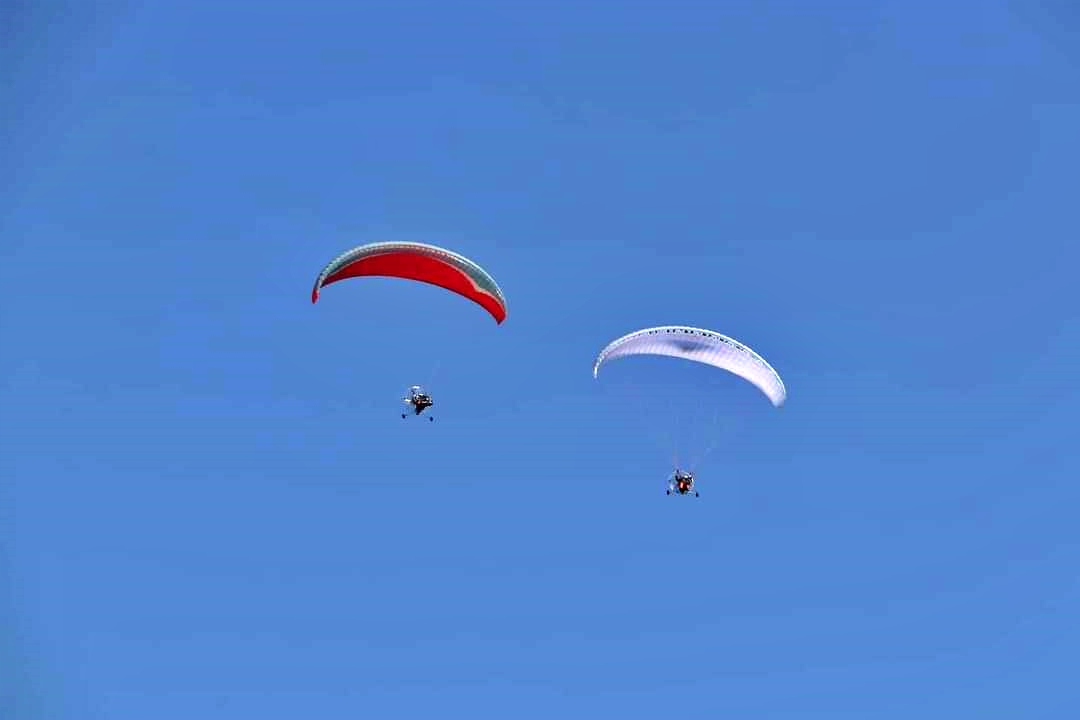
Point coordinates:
[[417, 261], [704, 346]]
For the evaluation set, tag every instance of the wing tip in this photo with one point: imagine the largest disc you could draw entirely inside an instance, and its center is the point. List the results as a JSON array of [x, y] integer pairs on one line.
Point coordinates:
[[497, 309]]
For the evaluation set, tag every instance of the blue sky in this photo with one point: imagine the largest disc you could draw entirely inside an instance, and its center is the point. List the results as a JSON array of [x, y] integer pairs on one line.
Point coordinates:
[[212, 509]]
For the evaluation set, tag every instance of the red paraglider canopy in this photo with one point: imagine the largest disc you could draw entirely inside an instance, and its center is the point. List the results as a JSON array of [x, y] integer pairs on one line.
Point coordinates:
[[417, 261]]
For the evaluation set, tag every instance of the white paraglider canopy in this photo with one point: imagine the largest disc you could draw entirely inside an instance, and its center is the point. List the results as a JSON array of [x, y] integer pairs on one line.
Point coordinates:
[[699, 345]]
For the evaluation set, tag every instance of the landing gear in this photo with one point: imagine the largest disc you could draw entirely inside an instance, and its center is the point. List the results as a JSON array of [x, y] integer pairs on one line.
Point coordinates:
[[431, 418]]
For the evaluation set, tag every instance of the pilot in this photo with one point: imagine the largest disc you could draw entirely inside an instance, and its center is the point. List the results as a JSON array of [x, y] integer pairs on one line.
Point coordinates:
[[683, 481]]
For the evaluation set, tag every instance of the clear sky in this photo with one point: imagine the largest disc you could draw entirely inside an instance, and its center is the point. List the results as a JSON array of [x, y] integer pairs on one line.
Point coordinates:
[[210, 507]]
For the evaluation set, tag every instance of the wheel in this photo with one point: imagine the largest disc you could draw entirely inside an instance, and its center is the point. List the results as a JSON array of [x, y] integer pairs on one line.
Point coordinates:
[[402, 416]]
